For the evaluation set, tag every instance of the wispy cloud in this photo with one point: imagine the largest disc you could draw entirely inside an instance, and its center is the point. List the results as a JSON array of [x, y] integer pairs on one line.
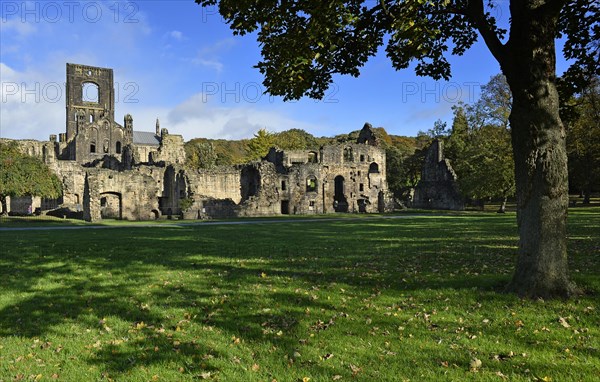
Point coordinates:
[[176, 35]]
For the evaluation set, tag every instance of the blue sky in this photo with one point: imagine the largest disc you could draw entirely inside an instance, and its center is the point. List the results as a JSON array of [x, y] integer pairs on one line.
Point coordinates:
[[179, 62]]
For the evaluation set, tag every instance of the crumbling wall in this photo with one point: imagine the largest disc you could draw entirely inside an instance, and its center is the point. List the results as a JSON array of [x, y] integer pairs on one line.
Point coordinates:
[[437, 188], [135, 193], [171, 149]]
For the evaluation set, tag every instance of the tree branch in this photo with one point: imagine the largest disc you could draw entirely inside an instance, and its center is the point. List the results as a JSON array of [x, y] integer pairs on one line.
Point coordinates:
[[475, 11]]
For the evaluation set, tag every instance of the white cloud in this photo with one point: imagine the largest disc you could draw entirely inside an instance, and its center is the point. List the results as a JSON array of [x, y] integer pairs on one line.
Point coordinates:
[[177, 35], [211, 64], [199, 117], [32, 104], [20, 27]]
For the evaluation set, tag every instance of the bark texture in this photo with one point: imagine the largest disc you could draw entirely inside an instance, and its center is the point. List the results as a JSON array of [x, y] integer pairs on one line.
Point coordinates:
[[540, 155]]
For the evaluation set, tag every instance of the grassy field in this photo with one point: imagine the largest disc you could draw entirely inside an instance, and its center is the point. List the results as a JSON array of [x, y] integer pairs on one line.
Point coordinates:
[[412, 298]]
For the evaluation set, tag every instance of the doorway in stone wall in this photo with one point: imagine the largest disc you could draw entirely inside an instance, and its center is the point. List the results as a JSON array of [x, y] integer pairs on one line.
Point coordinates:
[[340, 203], [285, 207], [111, 205]]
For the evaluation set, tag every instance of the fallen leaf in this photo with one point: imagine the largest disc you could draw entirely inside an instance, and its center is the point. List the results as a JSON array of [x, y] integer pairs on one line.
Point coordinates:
[[355, 369], [563, 322], [475, 364]]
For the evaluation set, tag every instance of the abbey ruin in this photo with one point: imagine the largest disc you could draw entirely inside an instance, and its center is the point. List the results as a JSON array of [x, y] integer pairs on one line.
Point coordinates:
[[110, 170]]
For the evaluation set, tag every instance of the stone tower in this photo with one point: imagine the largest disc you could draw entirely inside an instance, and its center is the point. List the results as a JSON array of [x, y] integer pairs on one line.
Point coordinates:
[[91, 128]]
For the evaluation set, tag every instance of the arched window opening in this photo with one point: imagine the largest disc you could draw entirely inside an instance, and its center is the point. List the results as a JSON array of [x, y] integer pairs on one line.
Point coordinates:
[[312, 157], [348, 155], [92, 147], [118, 148], [89, 92], [374, 168], [311, 184], [362, 158]]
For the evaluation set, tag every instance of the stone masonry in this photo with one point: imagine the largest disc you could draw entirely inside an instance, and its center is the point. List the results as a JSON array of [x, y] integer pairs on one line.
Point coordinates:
[[109, 170]]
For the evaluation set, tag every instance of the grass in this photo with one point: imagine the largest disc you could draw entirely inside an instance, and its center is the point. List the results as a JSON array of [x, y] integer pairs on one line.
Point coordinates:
[[414, 298]]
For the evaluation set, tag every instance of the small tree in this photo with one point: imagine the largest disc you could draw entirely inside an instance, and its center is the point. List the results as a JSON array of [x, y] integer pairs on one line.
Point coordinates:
[[22, 175], [259, 146]]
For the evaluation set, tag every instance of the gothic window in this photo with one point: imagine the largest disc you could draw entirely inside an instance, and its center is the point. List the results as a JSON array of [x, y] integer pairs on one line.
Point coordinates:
[[118, 148], [92, 147], [283, 185], [373, 168], [311, 184]]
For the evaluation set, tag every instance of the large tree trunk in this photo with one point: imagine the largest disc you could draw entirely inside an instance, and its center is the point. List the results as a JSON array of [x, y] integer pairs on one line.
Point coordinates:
[[540, 155]]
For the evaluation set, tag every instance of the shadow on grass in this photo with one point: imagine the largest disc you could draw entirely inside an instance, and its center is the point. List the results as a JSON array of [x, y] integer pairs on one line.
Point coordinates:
[[234, 279]]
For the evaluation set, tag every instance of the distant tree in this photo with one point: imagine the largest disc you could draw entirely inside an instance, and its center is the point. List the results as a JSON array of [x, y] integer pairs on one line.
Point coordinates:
[[479, 144], [403, 171], [583, 141], [485, 166], [455, 143], [259, 145], [295, 139], [439, 130], [22, 175], [494, 105], [200, 154]]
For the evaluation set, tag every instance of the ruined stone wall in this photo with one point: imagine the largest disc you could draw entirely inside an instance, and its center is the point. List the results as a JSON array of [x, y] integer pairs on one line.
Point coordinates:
[[142, 152], [222, 182], [437, 188], [134, 193], [23, 205], [263, 199], [171, 149]]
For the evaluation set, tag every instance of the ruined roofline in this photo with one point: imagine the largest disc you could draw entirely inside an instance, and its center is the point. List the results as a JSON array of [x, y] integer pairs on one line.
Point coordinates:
[[83, 66]]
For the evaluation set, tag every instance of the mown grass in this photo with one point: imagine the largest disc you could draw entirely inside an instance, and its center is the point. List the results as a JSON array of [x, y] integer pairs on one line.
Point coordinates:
[[412, 298]]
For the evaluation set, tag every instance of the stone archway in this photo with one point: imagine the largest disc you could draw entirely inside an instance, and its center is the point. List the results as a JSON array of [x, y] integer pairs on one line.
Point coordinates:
[[340, 203], [111, 205]]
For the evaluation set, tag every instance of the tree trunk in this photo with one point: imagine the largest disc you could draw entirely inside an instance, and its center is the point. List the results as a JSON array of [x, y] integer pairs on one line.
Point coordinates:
[[540, 155], [502, 208], [4, 205]]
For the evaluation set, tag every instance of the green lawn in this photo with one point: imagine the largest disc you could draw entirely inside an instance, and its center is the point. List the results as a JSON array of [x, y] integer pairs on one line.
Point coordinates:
[[414, 298]]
